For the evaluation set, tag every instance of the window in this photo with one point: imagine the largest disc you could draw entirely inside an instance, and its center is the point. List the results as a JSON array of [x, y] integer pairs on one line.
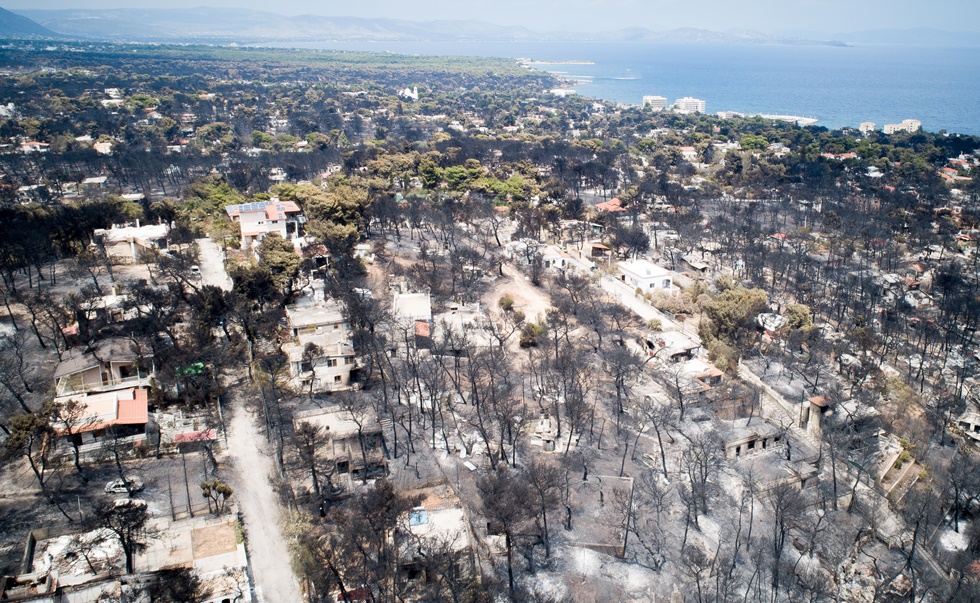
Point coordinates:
[[348, 360], [336, 378], [331, 362]]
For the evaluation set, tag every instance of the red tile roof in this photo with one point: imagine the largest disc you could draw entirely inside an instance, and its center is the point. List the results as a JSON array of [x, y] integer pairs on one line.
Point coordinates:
[[133, 412], [102, 410], [195, 436], [612, 205]]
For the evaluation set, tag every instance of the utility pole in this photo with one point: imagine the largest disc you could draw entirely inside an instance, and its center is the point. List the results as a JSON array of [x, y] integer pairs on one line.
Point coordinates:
[[170, 496], [187, 487]]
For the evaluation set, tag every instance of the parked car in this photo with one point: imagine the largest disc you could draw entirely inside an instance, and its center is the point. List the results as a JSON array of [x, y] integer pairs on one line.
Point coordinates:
[[196, 271], [118, 486]]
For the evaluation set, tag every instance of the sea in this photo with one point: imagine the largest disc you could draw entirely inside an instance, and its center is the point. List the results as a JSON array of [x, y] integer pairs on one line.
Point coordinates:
[[838, 86]]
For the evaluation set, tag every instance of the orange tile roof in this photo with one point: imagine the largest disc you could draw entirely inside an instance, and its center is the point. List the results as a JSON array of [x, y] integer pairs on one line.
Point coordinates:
[[195, 436], [613, 204], [133, 412], [122, 407]]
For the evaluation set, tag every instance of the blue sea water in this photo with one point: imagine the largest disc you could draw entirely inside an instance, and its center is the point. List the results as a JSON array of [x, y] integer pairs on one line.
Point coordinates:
[[839, 86]]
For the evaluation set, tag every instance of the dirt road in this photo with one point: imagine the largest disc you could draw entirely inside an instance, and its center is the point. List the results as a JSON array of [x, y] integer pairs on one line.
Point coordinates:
[[251, 472], [212, 264], [268, 553]]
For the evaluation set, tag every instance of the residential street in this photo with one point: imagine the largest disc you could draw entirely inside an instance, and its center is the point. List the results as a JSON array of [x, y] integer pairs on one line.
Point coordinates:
[[252, 470], [212, 265], [267, 550]]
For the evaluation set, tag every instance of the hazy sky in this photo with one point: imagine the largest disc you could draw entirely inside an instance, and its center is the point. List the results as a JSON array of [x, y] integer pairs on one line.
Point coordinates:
[[763, 15]]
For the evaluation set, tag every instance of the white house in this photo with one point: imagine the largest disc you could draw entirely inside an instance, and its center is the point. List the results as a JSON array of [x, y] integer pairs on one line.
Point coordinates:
[[126, 243], [555, 258], [34, 147], [260, 218], [645, 275], [689, 154]]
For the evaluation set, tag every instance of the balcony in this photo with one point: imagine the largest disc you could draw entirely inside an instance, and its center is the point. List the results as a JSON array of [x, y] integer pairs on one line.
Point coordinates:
[[66, 387]]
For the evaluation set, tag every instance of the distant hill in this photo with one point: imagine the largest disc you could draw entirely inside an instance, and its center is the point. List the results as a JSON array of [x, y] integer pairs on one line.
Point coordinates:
[[246, 26], [13, 25]]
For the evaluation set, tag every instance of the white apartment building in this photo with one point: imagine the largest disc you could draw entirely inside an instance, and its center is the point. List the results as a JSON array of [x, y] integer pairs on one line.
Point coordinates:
[[657, 103], [689, 105], [907, 125], [866, 127]]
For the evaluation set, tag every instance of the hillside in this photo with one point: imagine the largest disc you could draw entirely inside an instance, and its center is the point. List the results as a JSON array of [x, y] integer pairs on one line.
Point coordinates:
[[13, 25], [245, 26]]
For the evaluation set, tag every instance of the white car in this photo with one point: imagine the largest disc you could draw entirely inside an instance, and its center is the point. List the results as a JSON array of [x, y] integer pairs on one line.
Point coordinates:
[[118, 486]]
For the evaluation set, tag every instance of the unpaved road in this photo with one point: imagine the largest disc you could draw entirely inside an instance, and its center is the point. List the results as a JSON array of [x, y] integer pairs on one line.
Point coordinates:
[[212, 265], [268, 553], [251, 473]]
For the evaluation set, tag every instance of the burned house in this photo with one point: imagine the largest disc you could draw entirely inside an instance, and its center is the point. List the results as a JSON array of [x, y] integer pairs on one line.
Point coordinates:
[[751, 436], [321, 356], [969, 424], [436, 529], [353, 443], [671, 346]]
